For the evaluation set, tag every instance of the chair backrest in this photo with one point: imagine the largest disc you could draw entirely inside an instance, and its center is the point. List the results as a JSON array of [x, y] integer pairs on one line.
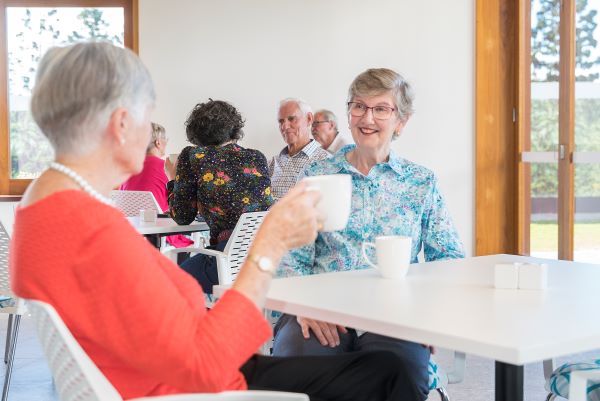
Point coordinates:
[[131, 202], [75, 375], [236, 249], [4, 278]]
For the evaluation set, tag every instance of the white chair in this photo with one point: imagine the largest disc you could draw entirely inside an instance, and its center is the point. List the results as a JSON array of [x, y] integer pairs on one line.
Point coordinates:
[[11, 305], [584, 385], [131, 202], [77, 378], [230, 260], [576, 381]]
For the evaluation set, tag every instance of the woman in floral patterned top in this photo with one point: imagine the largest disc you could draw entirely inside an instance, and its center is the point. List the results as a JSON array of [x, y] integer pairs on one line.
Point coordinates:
[[390, 196], [217, 179]]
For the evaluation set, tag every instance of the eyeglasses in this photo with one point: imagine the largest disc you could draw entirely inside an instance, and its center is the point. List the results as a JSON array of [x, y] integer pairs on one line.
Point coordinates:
[[379, 112], [315, 123]]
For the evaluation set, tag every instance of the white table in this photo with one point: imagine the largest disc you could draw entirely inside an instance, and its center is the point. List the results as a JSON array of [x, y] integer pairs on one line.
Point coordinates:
[[164, 226], [453, 304]]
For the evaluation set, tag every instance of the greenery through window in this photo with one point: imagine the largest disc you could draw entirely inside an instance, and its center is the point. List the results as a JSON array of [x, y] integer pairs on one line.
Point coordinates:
[[30, 32]]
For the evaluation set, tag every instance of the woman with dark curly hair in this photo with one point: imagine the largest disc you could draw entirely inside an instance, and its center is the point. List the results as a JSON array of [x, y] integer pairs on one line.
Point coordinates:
[[217, 179]]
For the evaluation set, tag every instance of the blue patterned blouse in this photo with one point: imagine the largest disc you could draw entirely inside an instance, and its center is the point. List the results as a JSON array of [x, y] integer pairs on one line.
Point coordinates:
[[397, 197]]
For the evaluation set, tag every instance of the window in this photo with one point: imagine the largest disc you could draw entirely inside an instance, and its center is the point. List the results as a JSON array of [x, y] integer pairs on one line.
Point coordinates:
[[538, 128], [31, 28]]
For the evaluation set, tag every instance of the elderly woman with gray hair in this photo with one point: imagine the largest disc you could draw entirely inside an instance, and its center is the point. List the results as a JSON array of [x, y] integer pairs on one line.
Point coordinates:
[[390, 196], [139, 317]]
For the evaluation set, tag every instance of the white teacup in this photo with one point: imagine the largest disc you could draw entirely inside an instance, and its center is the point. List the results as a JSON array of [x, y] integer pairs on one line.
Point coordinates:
[[393, 255], [336, 196]]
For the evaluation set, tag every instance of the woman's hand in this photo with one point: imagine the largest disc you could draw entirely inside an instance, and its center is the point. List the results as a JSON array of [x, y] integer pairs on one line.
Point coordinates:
[[326, 333], [171, 168], [294, 220]]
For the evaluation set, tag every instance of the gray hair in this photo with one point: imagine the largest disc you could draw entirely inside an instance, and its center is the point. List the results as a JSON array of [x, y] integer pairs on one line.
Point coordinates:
[[302, 105], [79, 86], [329, 116], [376, 81], [158, 132]]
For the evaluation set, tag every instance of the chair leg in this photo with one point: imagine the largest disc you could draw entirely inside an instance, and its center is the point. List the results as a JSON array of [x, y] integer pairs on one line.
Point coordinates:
[[443, 394], [8, 337], [11, 357]]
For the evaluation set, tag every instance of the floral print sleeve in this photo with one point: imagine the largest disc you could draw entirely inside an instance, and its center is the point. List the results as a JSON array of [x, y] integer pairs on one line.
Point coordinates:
[[220, 183], [397, 197]]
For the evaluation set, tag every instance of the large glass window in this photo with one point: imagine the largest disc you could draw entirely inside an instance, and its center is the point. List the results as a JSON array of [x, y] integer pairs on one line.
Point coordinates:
[[587, 133], [32, 27], [563, 148], [30, 32]]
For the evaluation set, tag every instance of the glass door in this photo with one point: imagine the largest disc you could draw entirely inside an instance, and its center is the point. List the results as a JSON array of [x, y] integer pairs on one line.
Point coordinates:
[[560, 157], [586, 158]]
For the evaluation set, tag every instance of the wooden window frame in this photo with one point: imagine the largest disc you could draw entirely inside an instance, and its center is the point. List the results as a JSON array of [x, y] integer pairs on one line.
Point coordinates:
[[8, 185]]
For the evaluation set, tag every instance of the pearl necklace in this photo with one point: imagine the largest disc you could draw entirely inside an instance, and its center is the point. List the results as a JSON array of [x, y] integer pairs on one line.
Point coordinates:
[[85, 186]]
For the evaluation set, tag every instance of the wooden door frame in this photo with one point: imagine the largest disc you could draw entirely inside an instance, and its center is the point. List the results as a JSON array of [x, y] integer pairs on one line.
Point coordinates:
[[498, 106]]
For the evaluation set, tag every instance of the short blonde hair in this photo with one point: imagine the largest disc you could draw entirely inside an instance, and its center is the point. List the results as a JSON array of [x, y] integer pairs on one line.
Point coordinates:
[[376, 81], [79, 86], [158, 132]]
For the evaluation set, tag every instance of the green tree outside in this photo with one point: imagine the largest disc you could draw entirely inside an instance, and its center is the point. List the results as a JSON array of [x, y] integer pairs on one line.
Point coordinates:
[[42, 28]]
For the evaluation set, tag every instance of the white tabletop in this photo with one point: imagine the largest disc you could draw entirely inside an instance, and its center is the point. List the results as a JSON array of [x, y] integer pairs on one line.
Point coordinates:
[[453, 304], [165, 226]]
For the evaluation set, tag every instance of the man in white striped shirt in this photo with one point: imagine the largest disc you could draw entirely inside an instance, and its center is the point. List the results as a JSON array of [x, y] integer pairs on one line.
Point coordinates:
[[295, 122]]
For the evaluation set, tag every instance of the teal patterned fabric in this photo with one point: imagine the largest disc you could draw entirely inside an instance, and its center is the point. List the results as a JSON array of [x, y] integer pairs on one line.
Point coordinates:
[[437, 378], [397, 197], [558, 383]]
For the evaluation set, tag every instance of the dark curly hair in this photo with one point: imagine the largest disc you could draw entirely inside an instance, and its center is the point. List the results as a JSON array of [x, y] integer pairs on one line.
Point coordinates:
[[214, 123]]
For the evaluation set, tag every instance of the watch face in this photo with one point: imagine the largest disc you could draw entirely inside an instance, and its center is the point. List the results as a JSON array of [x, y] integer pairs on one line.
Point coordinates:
[[265, 264]]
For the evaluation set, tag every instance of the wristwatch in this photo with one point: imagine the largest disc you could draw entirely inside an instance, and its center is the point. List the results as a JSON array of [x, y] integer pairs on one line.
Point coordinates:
[[263, 263]]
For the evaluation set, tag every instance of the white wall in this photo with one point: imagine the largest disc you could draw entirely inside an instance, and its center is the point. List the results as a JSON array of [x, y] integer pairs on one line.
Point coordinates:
[[254, 53]]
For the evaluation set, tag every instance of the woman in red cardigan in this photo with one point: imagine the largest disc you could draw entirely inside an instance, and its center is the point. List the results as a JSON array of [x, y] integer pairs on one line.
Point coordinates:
[[139, 317]]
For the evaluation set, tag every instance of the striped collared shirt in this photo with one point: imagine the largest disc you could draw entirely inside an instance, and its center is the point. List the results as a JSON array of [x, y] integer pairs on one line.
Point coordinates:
[[285, 169]]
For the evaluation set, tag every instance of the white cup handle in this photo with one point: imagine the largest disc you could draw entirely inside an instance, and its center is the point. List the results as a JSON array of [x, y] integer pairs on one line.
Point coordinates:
[[364, 253]]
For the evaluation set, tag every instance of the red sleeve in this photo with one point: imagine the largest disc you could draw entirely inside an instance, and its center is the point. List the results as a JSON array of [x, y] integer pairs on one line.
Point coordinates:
[[151, 315]]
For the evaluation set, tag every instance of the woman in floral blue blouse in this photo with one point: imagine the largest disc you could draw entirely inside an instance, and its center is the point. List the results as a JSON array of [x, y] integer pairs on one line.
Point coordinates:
[[390, 196], [217, 179]]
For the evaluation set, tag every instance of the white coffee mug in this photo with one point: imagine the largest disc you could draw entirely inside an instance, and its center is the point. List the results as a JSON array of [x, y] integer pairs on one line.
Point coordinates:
[[336, 197], [148, 215], [393, 255]]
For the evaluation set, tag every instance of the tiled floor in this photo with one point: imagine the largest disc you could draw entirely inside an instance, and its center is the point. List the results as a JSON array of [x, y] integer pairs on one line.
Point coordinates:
[[31, 380]]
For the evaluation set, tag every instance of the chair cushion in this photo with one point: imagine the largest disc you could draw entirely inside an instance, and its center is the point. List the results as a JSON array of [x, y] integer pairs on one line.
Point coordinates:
[[558, 383]]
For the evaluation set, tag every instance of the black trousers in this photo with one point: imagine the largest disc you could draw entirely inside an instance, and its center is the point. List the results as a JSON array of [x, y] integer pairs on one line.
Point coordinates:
[[356, 376]]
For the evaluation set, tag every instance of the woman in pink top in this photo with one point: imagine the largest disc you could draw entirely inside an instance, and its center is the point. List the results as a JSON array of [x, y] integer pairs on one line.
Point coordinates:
[[139, 317], [153, 178]]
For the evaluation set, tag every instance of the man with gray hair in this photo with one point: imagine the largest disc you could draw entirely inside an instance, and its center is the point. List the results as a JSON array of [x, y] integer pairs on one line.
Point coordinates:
[[325, 131], [295, 120]]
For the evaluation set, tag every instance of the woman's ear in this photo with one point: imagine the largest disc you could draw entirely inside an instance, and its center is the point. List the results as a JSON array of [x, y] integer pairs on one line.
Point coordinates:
[[118, 125]]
